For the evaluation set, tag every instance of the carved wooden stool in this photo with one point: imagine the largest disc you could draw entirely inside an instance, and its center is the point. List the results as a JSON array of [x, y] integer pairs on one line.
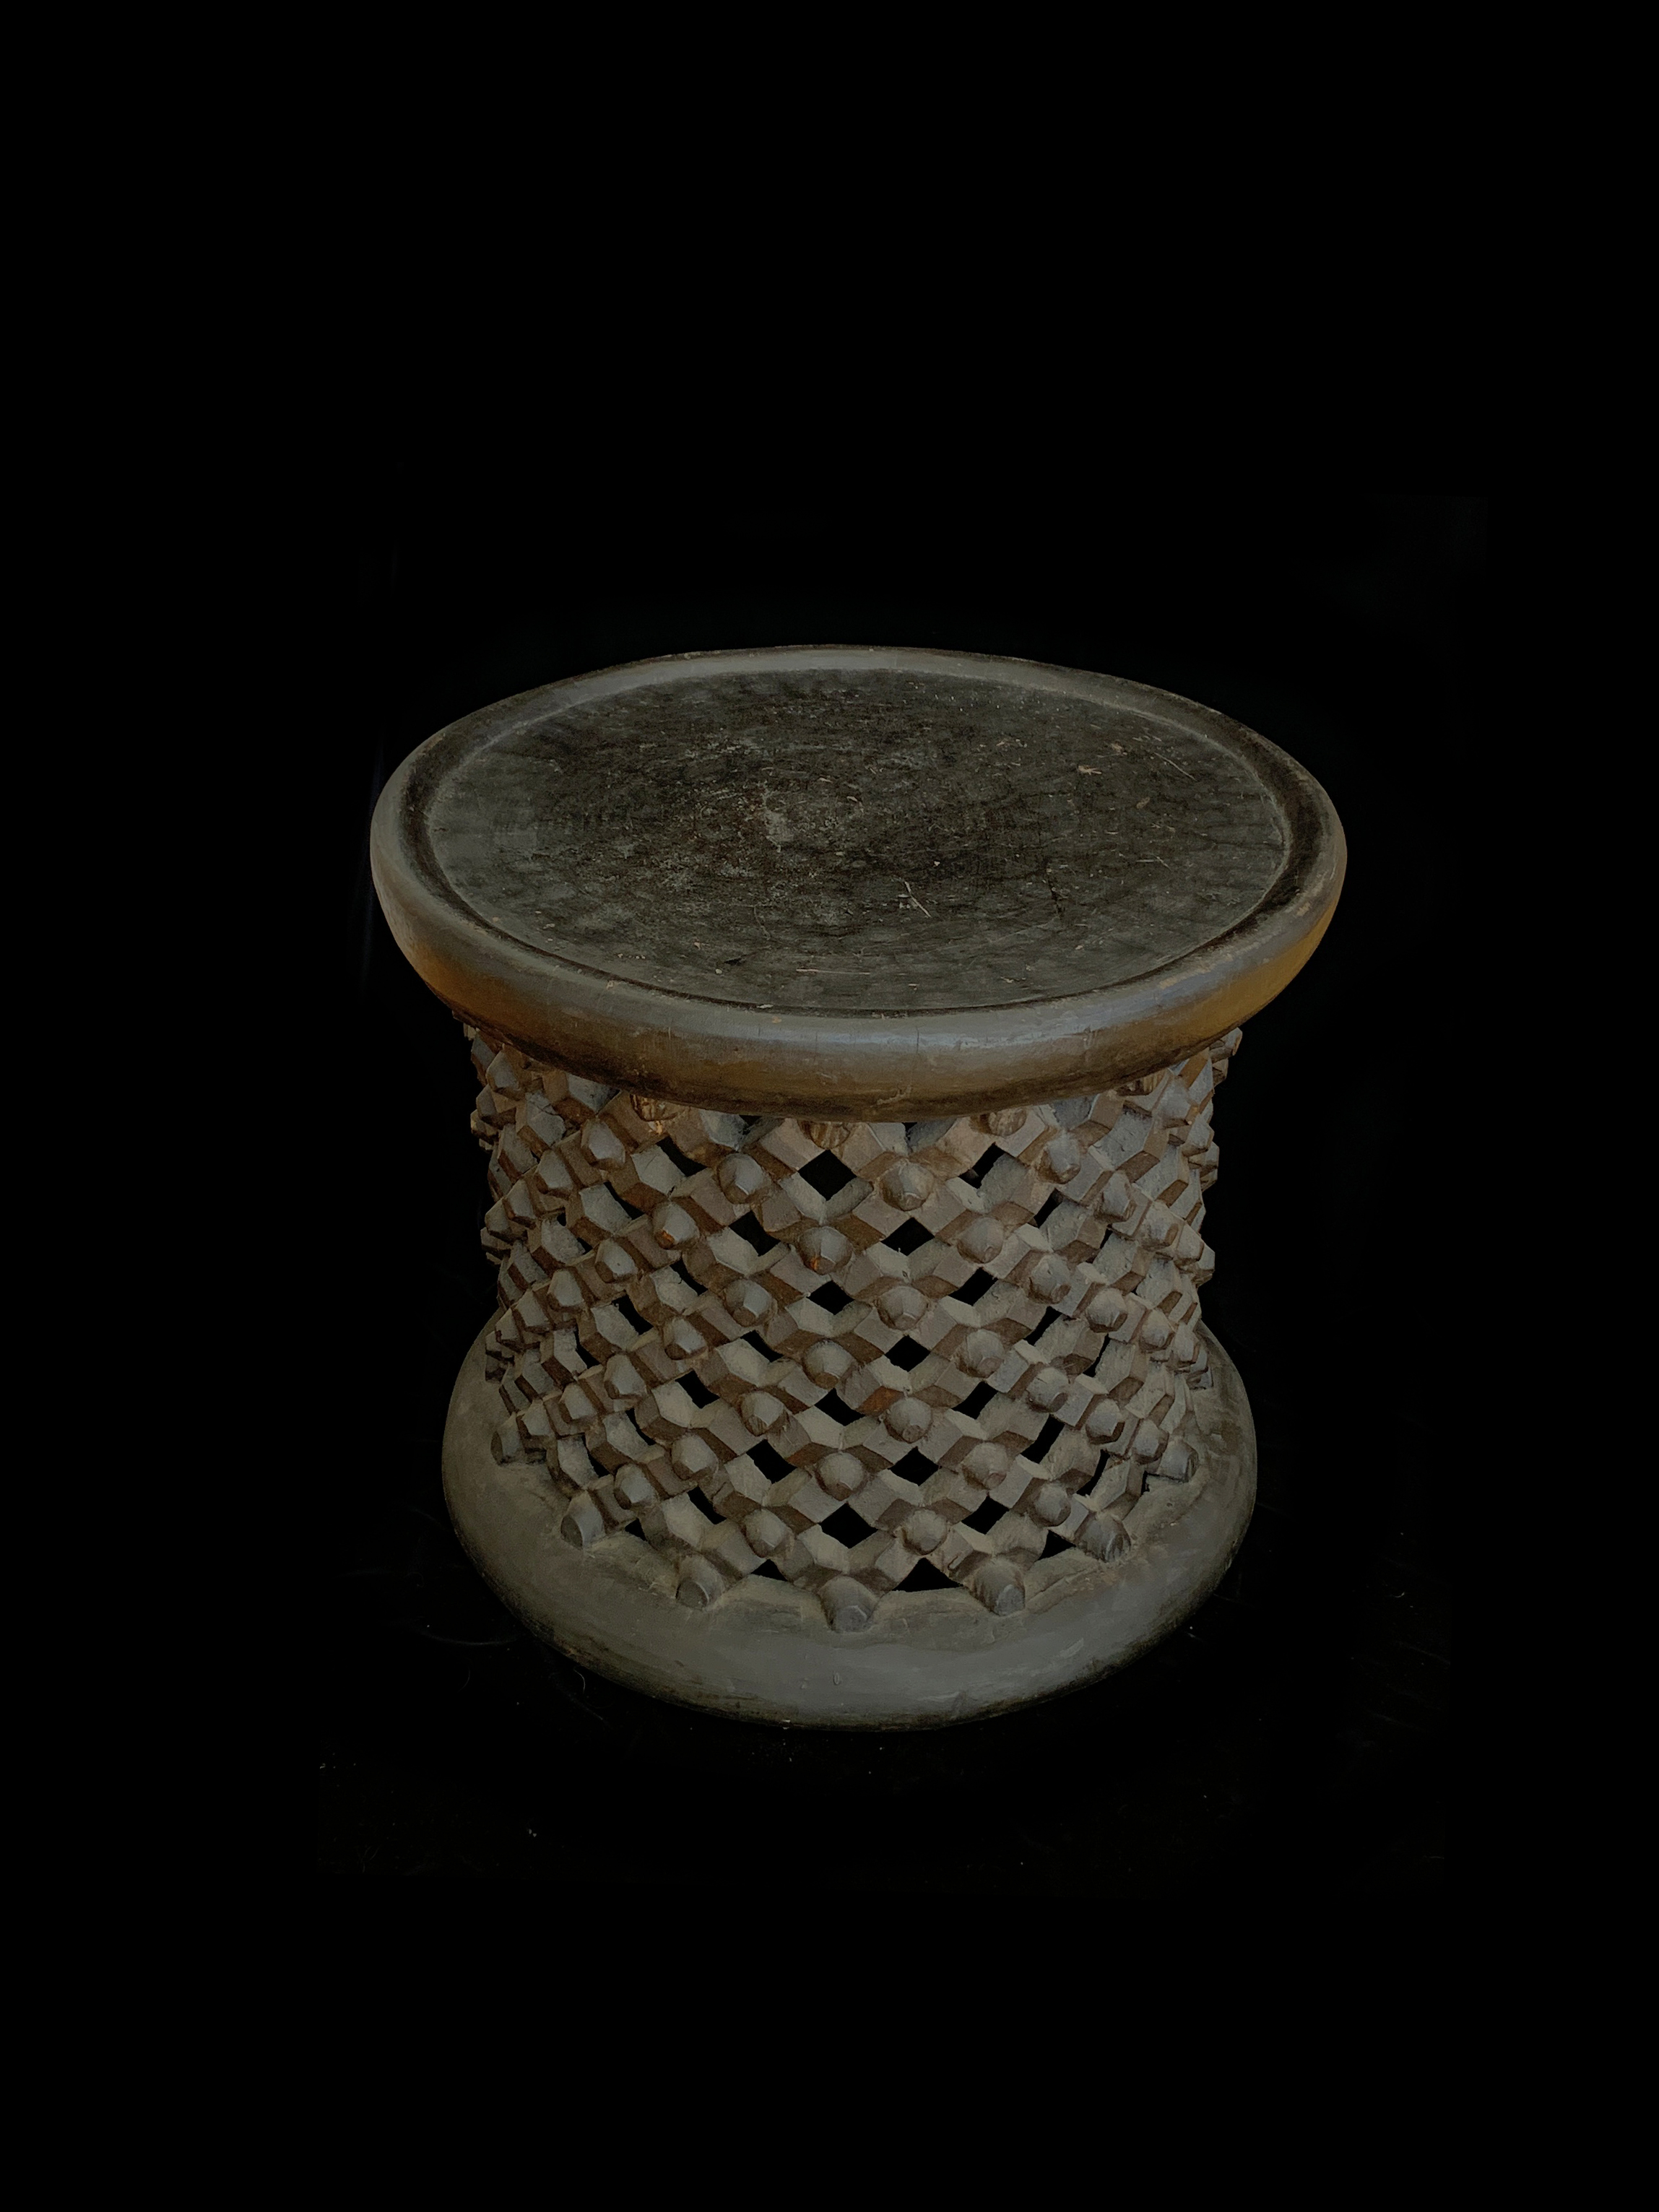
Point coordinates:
[[849, 1023]]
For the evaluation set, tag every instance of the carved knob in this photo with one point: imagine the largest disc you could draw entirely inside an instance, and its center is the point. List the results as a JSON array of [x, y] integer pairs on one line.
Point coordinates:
[[925, 1531], [635, 1490], [693, 1457], [672, 1227], [848, 1606], [764, 1533], [684, 1341], [1176, 1464], [740, 1177], [1047, 1387], [1061, 1157], [982, 1239], [1102, 1537], [901, 1305], [699, 1583], [840, 1474], [1106, 1420], [1116, 1199], [1000, 1586], [1160, 1227], [907, 1186], [583, 1523], [747, 1301], [829, 1134], [1003, 1123], [615, 1263], [658, 1112], [828, 1362], [909, 1419], [824, 1249], [1156, 1331], [986, 1465], [761, 1413], [601, 1146]]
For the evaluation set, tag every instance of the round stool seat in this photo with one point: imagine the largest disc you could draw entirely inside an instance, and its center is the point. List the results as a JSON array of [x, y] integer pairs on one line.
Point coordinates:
[[855, 880], [848, 1021]]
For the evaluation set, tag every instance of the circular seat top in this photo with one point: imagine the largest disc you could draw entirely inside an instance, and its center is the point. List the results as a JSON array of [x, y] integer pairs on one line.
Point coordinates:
[[863, 880]]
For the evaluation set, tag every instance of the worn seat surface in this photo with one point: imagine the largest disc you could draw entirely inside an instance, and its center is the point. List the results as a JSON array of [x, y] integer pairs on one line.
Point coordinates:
[[855, 879]]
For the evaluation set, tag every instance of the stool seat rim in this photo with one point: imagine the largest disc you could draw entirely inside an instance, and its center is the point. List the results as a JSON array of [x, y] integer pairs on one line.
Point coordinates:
[[748, 1058]]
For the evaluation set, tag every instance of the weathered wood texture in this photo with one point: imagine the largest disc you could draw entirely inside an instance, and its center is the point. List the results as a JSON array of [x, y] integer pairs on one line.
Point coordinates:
[[855, 882], [848, 1021], [846, 1353]]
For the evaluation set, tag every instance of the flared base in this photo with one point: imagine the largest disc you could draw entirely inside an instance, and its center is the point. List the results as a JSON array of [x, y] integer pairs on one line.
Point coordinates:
[[765, 1651]]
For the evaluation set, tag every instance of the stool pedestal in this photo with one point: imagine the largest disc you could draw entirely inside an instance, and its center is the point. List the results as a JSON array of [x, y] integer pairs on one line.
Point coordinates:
[[926, 1414]]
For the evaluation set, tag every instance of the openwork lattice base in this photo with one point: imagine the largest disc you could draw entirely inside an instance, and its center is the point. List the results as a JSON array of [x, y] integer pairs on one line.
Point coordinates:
[[866, 1364], [766, 1652]]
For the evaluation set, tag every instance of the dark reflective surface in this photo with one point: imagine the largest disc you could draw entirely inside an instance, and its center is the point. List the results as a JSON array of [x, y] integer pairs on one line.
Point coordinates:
[[1291, 1740]]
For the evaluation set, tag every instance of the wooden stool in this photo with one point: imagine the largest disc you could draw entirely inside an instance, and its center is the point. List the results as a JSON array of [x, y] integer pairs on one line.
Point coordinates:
[[848, 1022]]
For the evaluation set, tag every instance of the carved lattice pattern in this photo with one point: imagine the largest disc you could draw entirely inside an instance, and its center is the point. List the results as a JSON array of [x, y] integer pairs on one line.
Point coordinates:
[[852, 1354]]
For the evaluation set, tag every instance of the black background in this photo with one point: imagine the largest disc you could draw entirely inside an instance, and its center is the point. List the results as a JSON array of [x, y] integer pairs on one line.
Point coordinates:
[[1291, 1737]]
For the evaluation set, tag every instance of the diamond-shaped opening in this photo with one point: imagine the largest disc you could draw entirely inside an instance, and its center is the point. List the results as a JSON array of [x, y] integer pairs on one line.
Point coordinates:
[[1050, 1432], [974, 1176], [846, 1527], [687, 1277], [975, 1287], [836, 1407], [703, 1506], [908, 1354], [759, 1344], [771, 1573], [976, 1401], [914, 1466], [625, 1207], [752, 1234], [772, 1464], [926, 1576], [1044, 1325], [1045, 1209], [696, 1390], [1055, 1545], [831, 1297], [687, 1167], [984, 1516], [630, 1314], [826, 1175], [907, 1237]]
